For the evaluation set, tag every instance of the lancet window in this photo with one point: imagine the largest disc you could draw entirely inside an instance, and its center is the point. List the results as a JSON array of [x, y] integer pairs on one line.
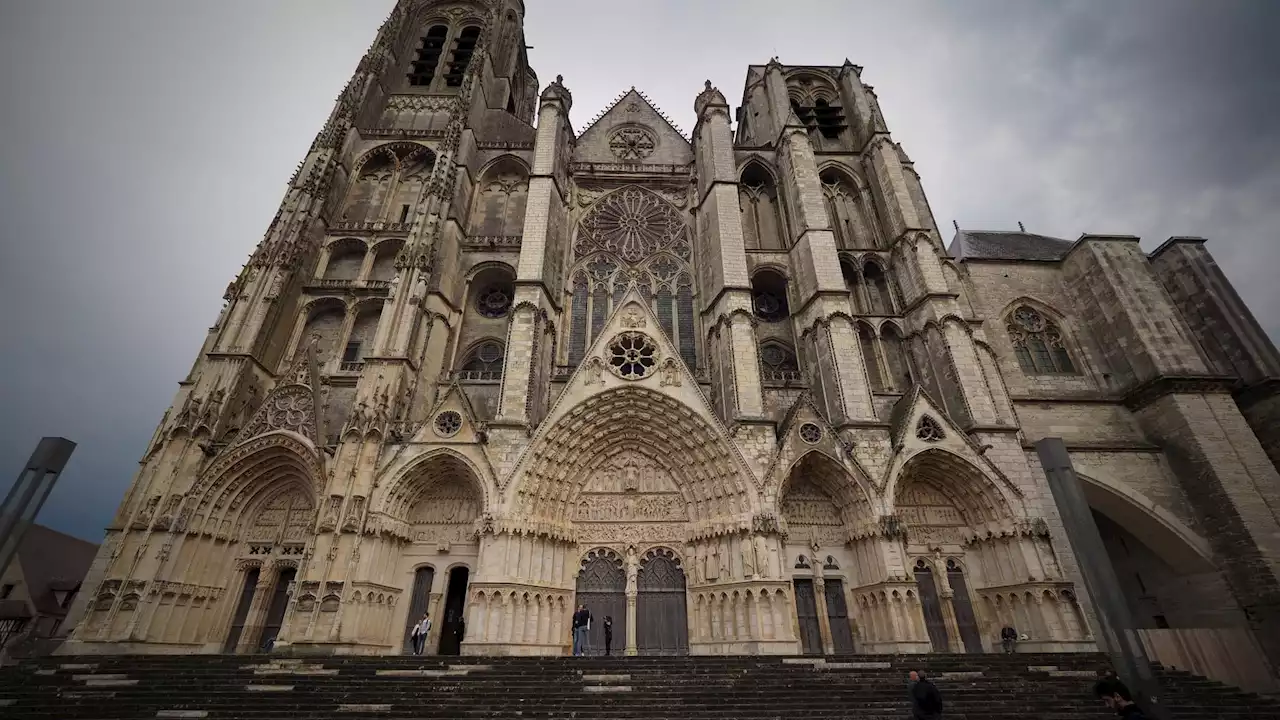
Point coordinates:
[[1038, 343], [849, 210], [758, 202], [632, 236]]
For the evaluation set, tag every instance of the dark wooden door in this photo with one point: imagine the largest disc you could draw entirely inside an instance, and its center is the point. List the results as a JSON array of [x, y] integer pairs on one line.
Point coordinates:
[[662, 621], [602, 588], [275, 611], [242, 610], [838, 615], [418, 602], [931, 605], [965, 619], [807, 614], [454, 625]]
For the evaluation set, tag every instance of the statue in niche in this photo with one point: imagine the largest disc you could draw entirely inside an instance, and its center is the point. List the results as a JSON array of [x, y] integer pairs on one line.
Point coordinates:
[[748, 558], [394, 286], [630, 475], [633, 570]]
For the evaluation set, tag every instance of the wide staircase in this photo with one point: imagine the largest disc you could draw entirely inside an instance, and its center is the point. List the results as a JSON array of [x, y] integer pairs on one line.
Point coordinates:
[[987, 687]]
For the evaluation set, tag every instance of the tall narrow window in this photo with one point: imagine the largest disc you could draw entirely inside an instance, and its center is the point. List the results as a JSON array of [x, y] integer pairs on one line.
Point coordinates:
[[895, 353], [578, 320], [423, 69], [867, 338], [758, 202], [684, 313], [877, 289], [463, 47], [1038, 343], [853, 283]]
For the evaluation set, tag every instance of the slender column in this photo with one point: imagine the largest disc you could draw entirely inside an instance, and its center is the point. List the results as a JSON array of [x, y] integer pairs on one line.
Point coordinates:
[[633, 574]]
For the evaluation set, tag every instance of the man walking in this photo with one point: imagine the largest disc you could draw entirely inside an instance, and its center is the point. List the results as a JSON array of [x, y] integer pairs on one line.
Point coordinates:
[[926, 701], [581, 626], [419, 635]]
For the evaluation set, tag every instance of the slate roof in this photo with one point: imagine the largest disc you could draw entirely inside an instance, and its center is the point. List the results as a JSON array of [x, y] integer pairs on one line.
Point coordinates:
[[52, 561], [1003, 245]]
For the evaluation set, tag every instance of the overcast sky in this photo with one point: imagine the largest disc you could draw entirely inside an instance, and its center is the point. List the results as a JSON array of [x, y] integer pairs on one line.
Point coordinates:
[[147, 143]]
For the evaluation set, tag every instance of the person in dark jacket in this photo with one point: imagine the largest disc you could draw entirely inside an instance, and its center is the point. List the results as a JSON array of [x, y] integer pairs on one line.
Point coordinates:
[[581, 626], [1008, 638], [1115, 695], [926, 701], [608, 634]]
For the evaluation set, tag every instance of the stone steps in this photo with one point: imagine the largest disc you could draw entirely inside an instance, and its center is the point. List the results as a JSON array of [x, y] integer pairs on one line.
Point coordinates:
[[986, 687]]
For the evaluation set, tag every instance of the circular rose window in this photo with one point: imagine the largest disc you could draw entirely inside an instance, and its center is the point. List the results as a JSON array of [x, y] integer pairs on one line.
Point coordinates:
[[810, 433], [494, 301], [448, 423], [632, 356]]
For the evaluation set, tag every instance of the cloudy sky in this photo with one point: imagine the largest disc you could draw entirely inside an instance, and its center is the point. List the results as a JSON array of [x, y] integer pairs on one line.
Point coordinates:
[[147, 144]]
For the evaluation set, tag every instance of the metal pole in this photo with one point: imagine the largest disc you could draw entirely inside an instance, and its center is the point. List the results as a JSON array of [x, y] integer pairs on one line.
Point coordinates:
[[28, 494], [1116, 631]]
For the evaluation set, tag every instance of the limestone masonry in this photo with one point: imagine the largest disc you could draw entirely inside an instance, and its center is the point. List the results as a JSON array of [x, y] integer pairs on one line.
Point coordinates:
[[732, 390]]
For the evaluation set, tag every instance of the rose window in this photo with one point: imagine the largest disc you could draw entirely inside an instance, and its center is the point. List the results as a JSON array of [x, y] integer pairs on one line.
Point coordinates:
[[448, 423], [632, 143], [810, 433], [769, 308], [635, 224], [632, 356], [494, 301]]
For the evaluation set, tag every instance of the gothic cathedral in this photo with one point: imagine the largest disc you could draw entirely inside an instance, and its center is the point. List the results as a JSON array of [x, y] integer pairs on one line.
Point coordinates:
[[731, 389]]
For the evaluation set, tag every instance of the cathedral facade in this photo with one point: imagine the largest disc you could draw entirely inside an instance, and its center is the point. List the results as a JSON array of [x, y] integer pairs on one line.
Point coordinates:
[[732, 389]]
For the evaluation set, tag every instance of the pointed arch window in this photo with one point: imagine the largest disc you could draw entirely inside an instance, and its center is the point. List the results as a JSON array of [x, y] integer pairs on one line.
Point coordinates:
[[463, 48], [758, 202], [423, 68], [870, 357], [1038, 343], [632, 236], [852, 218], [483, 362], [778, 363]]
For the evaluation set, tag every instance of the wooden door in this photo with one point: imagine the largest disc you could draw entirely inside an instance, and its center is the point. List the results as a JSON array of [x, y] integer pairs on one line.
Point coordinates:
[[807, 614], [662, 622], [965, 618], [418, 603], [931, 605], [242, 610], [602, 588], [275, 611], [838, 615]]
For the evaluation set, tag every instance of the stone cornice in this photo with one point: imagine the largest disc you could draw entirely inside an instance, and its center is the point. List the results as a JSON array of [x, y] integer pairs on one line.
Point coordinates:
[[1152, 390]]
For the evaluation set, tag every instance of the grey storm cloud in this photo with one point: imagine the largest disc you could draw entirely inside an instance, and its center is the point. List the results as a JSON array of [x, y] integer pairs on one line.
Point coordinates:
[[147, 144]]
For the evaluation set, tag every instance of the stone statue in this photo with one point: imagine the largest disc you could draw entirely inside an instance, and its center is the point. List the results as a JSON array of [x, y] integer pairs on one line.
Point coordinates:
[[633, 570], [630, 475], [394, 287]]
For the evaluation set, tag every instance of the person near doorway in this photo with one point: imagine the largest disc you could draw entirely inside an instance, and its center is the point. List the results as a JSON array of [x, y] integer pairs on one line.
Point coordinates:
[[1009, 639], [420, 631], [608, 634], [1115, 695], [581, 626], [926, 701]]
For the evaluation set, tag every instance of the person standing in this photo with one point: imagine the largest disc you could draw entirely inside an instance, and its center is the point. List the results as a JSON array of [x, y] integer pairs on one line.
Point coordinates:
[[926, 701], [1008, 638], [608, 634], [419, 633], [581, 626]]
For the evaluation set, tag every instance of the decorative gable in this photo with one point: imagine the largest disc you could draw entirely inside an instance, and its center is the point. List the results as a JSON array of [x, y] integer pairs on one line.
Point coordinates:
[[291, 405], [633, 131], [452, 421]]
